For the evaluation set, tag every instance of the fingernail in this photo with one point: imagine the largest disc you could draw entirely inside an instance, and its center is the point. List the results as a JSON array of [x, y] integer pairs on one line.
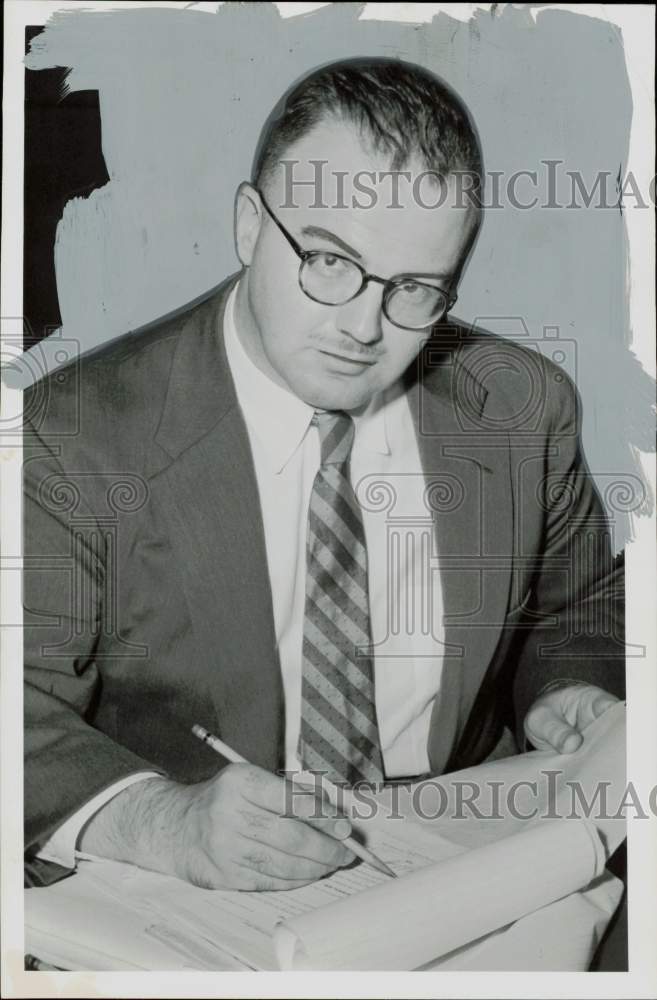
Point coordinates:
[[342, 828], [570, 743]]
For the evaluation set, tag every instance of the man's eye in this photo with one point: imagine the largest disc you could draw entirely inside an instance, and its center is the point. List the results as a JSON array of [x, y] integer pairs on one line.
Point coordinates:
[[411, 290], [329, 265]]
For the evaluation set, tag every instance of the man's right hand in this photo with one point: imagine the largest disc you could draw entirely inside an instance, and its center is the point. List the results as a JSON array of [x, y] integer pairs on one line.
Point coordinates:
[[235, 831]]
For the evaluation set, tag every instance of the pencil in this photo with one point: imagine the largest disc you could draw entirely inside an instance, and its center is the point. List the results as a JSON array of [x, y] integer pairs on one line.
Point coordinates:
[[235, 758]]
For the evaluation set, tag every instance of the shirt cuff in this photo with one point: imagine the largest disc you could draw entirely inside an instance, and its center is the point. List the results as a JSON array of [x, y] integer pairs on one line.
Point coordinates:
[[60, 848]]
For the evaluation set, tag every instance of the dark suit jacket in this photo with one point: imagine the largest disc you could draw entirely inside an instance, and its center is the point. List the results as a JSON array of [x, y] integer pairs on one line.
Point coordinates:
[[147, 597]]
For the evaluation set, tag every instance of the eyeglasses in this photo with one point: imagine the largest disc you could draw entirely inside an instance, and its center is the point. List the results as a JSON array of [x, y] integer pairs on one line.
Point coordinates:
[[333, 280]]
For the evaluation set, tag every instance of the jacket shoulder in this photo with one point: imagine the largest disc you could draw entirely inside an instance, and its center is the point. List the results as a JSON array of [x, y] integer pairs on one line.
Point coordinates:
[[115, 392], [520, 377]]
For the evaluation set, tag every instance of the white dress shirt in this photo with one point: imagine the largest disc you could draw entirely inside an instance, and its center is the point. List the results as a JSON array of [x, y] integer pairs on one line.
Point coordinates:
[[404, 585]]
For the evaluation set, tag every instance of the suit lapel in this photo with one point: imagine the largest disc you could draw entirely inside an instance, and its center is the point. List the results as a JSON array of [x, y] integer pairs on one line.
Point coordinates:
[[467, 467], [207, 492]]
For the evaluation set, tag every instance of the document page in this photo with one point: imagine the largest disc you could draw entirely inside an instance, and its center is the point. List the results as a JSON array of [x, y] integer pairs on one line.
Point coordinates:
[[405, 923], [243, 923]]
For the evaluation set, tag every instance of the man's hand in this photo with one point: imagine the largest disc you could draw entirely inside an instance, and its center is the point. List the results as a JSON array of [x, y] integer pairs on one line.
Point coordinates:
[[556, 719], [235, 831]]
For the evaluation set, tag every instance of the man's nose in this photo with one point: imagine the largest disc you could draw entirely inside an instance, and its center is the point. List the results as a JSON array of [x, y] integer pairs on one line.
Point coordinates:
[[361, 317]]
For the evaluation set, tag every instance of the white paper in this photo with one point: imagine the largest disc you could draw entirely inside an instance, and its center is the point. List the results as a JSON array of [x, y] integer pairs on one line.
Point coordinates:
[[228, 925], [145, 920], [405, 923]]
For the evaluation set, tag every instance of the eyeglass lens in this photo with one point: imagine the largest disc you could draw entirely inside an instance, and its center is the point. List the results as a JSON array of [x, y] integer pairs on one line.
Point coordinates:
[[334, 280]]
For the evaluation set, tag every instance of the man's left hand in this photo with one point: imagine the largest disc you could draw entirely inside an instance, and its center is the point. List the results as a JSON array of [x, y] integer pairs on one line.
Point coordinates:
[[556, 719]]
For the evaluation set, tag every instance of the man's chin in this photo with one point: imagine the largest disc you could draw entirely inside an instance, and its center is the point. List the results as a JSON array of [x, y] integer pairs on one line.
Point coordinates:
[[337, 396]]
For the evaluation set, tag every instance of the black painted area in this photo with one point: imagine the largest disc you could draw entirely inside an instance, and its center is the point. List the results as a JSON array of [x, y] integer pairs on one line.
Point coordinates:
[[63, 159]]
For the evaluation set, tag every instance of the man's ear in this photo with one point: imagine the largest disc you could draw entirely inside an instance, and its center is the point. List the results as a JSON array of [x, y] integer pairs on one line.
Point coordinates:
[[248, 219]]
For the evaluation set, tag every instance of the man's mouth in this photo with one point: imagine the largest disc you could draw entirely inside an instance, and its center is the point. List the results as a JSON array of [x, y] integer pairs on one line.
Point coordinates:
[[356, 360]]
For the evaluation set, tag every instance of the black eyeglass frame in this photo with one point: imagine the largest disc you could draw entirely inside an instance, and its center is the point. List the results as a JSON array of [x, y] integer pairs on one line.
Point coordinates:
[[389, 284]]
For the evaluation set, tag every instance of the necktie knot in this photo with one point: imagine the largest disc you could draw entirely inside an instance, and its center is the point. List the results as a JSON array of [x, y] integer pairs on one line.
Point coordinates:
[[336, 435]]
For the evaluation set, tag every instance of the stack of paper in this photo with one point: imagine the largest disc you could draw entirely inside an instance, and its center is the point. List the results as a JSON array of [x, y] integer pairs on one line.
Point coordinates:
[[448, 895]]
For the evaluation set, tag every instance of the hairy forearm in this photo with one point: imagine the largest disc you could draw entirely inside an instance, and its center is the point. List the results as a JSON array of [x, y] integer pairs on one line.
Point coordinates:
[[143, 825], [232, 831]]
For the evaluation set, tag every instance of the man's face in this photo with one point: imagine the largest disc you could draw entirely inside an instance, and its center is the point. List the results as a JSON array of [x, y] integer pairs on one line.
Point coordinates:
[[338, 357]]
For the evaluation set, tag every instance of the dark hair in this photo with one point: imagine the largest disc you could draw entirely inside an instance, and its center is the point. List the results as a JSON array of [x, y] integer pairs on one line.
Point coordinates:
[[401, 108]]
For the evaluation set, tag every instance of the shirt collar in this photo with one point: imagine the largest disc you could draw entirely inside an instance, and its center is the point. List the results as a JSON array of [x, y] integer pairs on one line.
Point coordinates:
[[280, 419]]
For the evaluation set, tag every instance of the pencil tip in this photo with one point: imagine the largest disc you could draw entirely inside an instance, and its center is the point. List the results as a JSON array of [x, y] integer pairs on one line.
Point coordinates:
[[386, 870]]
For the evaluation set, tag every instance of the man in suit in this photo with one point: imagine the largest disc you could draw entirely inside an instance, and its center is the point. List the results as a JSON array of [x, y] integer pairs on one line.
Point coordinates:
[[230, 514]]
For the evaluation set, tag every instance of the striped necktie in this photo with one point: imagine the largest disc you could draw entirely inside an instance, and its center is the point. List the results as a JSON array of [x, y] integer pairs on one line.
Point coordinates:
[[339, 734]]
